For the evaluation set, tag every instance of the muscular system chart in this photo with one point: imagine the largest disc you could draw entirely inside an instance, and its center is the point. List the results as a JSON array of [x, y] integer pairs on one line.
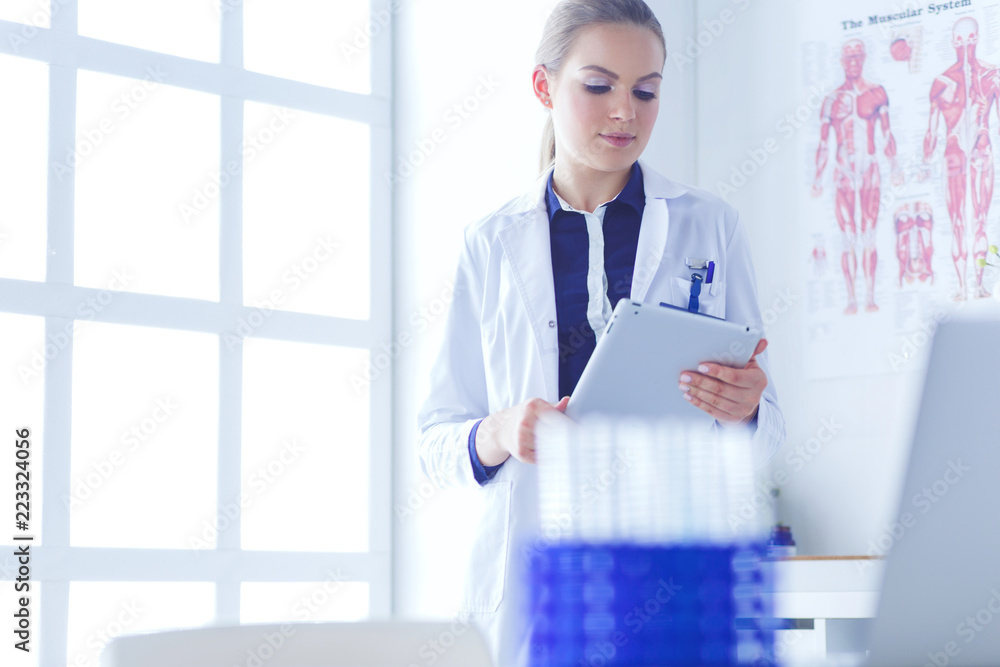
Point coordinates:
[[898, 176]]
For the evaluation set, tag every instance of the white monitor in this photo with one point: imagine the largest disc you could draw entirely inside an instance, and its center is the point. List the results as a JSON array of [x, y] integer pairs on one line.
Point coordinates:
[[940, 601]]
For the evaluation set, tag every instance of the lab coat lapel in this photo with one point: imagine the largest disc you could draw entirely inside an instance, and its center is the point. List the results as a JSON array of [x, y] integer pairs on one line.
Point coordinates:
[[526, 245], [651, 250]]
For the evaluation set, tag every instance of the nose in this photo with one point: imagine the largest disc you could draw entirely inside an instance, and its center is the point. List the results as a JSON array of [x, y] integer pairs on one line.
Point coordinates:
[[623, 108]]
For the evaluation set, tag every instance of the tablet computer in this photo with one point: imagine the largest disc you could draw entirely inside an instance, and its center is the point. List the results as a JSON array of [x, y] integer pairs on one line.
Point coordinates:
[[636, 366]]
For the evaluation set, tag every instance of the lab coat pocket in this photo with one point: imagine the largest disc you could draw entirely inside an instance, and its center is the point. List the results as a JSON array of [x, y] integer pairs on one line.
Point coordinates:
[[488, 560], [712, 300]]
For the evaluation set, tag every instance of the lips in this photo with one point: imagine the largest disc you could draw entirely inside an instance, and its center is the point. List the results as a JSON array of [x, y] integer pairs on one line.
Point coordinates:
[[618, 139]]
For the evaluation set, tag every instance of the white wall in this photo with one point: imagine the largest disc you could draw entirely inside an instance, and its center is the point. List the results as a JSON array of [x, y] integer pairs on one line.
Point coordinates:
[[443, 49], [840, 498]]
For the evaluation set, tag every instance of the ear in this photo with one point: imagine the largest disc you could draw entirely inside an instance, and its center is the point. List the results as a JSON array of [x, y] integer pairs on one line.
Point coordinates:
[[540, 83]]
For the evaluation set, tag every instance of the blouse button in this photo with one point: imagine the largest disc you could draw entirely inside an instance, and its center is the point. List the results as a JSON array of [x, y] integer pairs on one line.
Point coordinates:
[[551, 323]]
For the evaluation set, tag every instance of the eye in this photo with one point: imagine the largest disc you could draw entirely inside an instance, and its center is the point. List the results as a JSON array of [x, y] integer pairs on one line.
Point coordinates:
[[644, 95], [596, 89]]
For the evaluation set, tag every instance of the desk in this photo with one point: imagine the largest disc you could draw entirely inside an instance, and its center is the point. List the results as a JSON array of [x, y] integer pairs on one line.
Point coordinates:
[[830, 601]]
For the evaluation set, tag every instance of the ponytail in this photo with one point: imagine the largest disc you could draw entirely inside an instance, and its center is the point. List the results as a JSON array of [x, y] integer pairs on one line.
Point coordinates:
[[548, 156]]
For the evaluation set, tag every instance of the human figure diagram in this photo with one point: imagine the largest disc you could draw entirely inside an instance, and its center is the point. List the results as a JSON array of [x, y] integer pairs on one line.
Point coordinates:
[[857, 111], [963, 97], [915, 242]]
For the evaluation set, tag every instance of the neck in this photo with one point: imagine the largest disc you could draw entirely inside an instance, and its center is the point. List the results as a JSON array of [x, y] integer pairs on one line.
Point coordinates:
[[585, 189]]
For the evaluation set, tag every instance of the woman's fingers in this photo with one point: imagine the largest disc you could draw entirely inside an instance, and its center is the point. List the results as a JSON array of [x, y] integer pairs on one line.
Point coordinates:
[[710, 376], [526, 415], [716, 405], [728, 394], [525, 448]]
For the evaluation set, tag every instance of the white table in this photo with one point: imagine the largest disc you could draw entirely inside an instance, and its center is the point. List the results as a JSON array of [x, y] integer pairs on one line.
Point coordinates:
[[830, 600]]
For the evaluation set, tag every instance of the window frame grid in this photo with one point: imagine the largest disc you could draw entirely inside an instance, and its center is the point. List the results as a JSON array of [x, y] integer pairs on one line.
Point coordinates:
[[55, 561]]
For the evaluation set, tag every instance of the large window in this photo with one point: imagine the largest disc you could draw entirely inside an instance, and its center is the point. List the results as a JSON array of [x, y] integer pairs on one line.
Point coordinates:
[[194, 274]]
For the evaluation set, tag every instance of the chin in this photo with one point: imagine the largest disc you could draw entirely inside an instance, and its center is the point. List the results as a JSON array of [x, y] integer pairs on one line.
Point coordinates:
[[619, 161], [605, 160]]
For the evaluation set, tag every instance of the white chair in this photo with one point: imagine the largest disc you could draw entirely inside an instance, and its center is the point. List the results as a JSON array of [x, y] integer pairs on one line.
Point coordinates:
[[367, 644]]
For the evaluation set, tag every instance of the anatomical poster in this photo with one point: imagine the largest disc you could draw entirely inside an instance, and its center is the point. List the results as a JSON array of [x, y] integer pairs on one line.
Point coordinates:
[[898, 167]]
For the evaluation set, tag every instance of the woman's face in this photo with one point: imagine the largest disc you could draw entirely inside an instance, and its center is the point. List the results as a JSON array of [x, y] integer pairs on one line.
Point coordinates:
[[606, 97]]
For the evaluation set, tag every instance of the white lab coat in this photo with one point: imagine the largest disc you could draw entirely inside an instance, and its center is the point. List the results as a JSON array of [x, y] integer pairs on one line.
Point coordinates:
[[500, 348]]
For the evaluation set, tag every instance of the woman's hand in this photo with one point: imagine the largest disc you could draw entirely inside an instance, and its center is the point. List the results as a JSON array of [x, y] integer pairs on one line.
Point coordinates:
[[730, 395], [511, 432]]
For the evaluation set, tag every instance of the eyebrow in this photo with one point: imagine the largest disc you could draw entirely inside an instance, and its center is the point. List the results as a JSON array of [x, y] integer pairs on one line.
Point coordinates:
[[602, 70]]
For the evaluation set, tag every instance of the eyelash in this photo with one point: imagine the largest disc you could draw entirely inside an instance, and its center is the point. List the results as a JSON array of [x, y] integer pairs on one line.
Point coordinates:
[[643, 95]]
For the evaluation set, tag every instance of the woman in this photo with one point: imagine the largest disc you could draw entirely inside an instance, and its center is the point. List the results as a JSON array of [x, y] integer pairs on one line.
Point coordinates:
[[538, 278]]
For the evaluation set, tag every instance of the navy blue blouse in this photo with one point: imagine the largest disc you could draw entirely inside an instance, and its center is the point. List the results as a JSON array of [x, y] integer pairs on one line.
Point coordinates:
[[570, 244]]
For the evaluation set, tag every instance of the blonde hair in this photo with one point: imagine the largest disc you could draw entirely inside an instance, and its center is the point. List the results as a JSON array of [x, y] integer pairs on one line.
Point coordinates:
[[565, 23]]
